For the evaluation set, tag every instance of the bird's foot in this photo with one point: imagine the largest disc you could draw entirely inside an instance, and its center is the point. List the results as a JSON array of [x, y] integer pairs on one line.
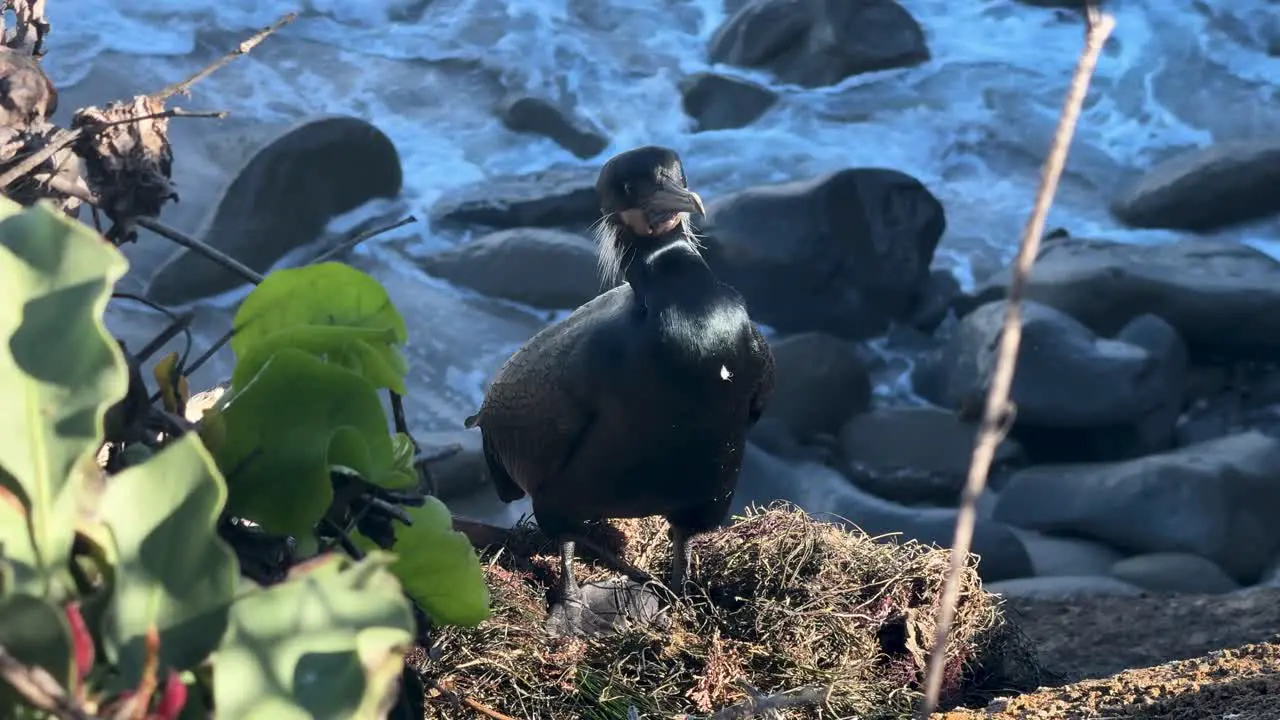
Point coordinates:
[[567, 615]]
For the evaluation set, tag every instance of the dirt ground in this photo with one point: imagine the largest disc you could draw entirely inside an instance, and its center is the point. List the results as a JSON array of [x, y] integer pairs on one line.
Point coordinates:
[[1168, 657]]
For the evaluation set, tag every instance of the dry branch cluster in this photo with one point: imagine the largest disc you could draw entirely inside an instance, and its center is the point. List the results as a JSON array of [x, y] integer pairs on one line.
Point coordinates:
[[116, 158]]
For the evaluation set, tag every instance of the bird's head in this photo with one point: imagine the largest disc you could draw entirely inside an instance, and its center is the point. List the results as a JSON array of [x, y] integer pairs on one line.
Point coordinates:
[[643, 195]]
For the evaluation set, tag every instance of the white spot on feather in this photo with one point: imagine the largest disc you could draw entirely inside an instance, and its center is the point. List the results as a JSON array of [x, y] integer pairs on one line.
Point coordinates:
[[725, 374]]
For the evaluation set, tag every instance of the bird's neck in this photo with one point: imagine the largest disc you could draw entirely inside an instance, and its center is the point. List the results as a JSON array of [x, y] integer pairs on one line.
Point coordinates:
[[667, 270], [694, 316]]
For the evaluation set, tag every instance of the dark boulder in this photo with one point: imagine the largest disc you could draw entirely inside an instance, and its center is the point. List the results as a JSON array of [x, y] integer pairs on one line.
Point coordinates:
[[718, 102], [562, 196], [543, 117], [1223, 297], [282, 199], [1206, 189], [845, 253], [820, 42]]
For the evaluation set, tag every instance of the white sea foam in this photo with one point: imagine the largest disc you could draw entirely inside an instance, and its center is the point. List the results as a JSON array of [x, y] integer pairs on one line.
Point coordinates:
[[972, 124]]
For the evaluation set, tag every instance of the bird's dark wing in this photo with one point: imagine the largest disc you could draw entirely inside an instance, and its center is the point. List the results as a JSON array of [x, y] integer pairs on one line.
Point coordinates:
[[764, 385], [542, 402]]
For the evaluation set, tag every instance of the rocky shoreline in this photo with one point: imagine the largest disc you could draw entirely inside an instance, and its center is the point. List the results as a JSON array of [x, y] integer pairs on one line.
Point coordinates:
[[1145, 456]]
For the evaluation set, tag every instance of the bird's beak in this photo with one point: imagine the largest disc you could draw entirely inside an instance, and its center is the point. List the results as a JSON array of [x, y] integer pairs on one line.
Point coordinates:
[[672, 198]]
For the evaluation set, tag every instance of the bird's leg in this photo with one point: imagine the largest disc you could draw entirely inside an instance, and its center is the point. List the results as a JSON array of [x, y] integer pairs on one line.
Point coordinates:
[[569, 590], [679, 559], [611, 558]]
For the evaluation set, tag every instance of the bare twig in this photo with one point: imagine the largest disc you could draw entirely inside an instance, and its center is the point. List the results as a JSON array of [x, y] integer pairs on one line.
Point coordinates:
[[344, 539], [358, 238], [207, 354], [202, 248], [998, 409], [474, 705], [398, 418], [244, 48], [65, 138], [757, 704], [179, 323], [33, 161], [169, 113], [39, 689]]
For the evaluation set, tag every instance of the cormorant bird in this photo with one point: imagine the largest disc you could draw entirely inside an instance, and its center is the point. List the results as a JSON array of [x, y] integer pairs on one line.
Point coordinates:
[[639, 402]]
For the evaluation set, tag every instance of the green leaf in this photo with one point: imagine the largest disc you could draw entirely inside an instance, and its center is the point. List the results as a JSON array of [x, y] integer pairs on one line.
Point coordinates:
[[37, 634], [327, 643], [365, 351], [59, 372], [331, 310], [438, 566], [173, 570], [277, 438]]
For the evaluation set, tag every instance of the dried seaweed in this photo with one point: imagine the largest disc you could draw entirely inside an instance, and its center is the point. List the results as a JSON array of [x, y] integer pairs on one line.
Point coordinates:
[[784, 602]]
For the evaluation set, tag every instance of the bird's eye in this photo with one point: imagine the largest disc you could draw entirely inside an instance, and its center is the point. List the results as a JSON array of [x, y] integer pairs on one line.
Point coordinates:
[[626, 189]]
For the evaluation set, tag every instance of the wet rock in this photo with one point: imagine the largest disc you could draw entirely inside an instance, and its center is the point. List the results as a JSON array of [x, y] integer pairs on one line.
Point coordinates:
[[538, 266], [559, 197], [1068, 4], [1223, 297], [1205, 189], [820, 42], [1078, 396], [1175, 573], [843, 253], [1218, 499], [718, 102], [821, 383], [1227, 400], [774, 437], [1053, 556], [914, 455], [1063, 587], [935, 300], [461, 471], [282, 199], [824, 493], [567, 129]]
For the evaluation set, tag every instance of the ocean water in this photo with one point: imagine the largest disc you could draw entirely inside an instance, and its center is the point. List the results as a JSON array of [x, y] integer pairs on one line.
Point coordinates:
[[973, 124]]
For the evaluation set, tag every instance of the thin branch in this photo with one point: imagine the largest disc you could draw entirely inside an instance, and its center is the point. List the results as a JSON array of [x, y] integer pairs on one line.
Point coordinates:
[[169, 113], [178, 323], [358, 238], [39, 689], [998, 407], [201, 248], [388, 508], [243, 48], [484, 710], [344, 540], [207, 354], [59, 141], [398, 417]]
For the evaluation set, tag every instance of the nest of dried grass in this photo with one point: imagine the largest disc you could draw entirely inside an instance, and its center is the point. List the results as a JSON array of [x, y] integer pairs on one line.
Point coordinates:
[[784, 602]]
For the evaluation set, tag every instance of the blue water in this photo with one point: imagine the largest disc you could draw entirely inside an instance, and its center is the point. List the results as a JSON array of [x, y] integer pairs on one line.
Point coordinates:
[[973, 124]]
